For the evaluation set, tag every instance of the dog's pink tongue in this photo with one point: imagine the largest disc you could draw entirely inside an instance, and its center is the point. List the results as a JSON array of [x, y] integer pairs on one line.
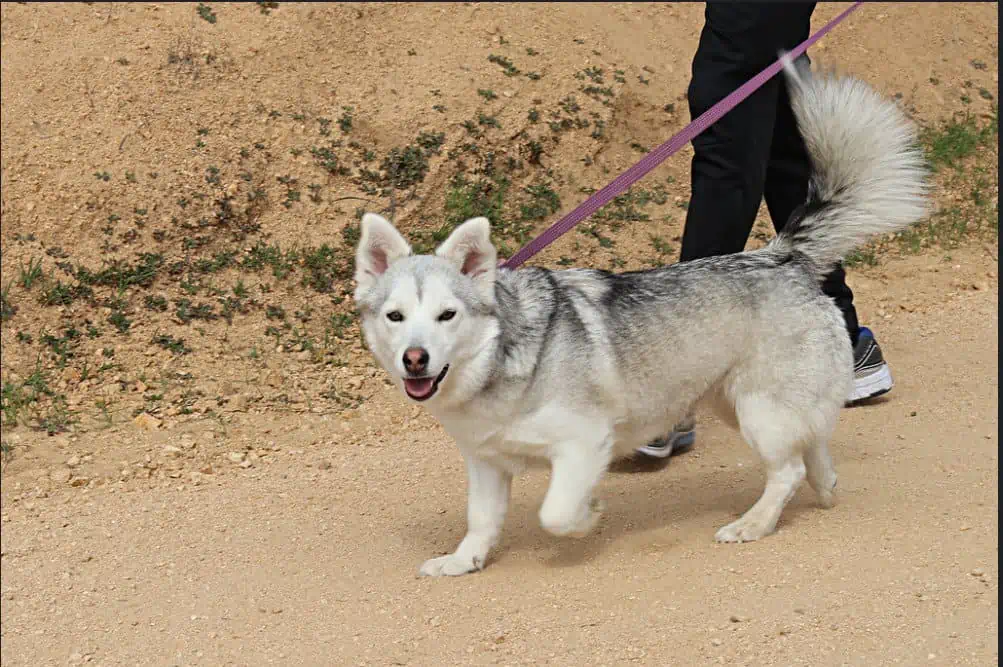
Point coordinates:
[[420, 387]]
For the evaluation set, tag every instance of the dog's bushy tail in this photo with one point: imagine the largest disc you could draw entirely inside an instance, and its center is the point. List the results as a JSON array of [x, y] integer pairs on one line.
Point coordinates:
[[868, 172]]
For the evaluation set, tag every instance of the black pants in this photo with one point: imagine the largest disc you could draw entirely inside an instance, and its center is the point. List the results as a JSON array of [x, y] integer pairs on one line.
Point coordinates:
[[756, 149]]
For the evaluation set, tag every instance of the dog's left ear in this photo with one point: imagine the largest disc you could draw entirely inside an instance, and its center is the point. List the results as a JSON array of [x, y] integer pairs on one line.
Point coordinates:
[[380, 244], [469, 248]]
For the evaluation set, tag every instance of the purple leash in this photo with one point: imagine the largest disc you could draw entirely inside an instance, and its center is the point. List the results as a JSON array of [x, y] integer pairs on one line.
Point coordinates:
[[658, 155]]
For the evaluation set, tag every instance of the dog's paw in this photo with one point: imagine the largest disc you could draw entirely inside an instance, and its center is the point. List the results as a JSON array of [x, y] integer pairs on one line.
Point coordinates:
[[743, 530], [579, 528], [450, 566]]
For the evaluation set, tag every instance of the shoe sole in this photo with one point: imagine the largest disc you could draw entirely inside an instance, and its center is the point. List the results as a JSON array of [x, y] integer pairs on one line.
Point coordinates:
[[871, 386], [678, 442]]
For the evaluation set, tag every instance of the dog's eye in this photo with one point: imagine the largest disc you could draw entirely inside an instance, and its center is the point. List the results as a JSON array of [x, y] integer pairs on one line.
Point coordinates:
[[395, 316], [447, 315]]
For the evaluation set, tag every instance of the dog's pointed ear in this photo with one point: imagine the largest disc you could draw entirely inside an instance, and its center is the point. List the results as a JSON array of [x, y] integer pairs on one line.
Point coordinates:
[[469, 248], [380, 244]]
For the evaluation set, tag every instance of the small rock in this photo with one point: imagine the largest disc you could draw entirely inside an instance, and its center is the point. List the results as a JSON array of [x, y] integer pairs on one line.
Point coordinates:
[[735, 618], [236, 457], [206, 470], [79, 481], [716, 641], [146, 421], [172, 451], [977, 573], [273, 379], [62, 476], [73, 461], [324, 465]]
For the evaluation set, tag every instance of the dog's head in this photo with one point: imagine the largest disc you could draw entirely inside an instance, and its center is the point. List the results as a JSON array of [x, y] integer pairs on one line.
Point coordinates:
[[425, 316]]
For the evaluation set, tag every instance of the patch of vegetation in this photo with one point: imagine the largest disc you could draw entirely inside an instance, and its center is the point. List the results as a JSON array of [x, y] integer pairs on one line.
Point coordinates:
[[119, 320], [156, 303], [471, 198], [33, 402], [63, 346], [30, 274], [327, 159], [345, 120], [323, 266], [172, 344], [405, 166], [958, 139], [865, 256], [662, 247], [261, 255], [186, 311], [56, 293], [628, 206], [508, 68], [206, 13], [543, 201], [7, 309], [120, 274]]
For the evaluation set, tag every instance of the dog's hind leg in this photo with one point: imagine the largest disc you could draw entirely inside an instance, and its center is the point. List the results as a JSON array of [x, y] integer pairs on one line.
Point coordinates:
[[568, 508], [821, 472], [776, 433]]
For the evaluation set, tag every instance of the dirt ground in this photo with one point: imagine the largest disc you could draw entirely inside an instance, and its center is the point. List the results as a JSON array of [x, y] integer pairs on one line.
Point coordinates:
[[202, 466]]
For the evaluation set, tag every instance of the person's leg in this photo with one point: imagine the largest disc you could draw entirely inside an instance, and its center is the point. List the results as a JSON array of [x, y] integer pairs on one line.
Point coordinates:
[[730, 157]]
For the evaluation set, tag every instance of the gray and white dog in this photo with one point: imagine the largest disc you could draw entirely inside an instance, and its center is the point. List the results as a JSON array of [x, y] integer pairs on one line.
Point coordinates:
[[576, 367]]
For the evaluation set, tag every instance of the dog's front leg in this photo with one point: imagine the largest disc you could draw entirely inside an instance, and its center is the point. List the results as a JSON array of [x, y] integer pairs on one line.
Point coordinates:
[[488, 489], [568, 509]]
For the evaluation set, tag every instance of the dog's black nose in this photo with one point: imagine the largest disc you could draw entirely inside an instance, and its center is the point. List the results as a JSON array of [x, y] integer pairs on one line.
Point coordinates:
[[415, 360]]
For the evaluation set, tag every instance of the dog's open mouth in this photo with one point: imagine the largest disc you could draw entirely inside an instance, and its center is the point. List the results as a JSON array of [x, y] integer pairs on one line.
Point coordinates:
[[422, 389]]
